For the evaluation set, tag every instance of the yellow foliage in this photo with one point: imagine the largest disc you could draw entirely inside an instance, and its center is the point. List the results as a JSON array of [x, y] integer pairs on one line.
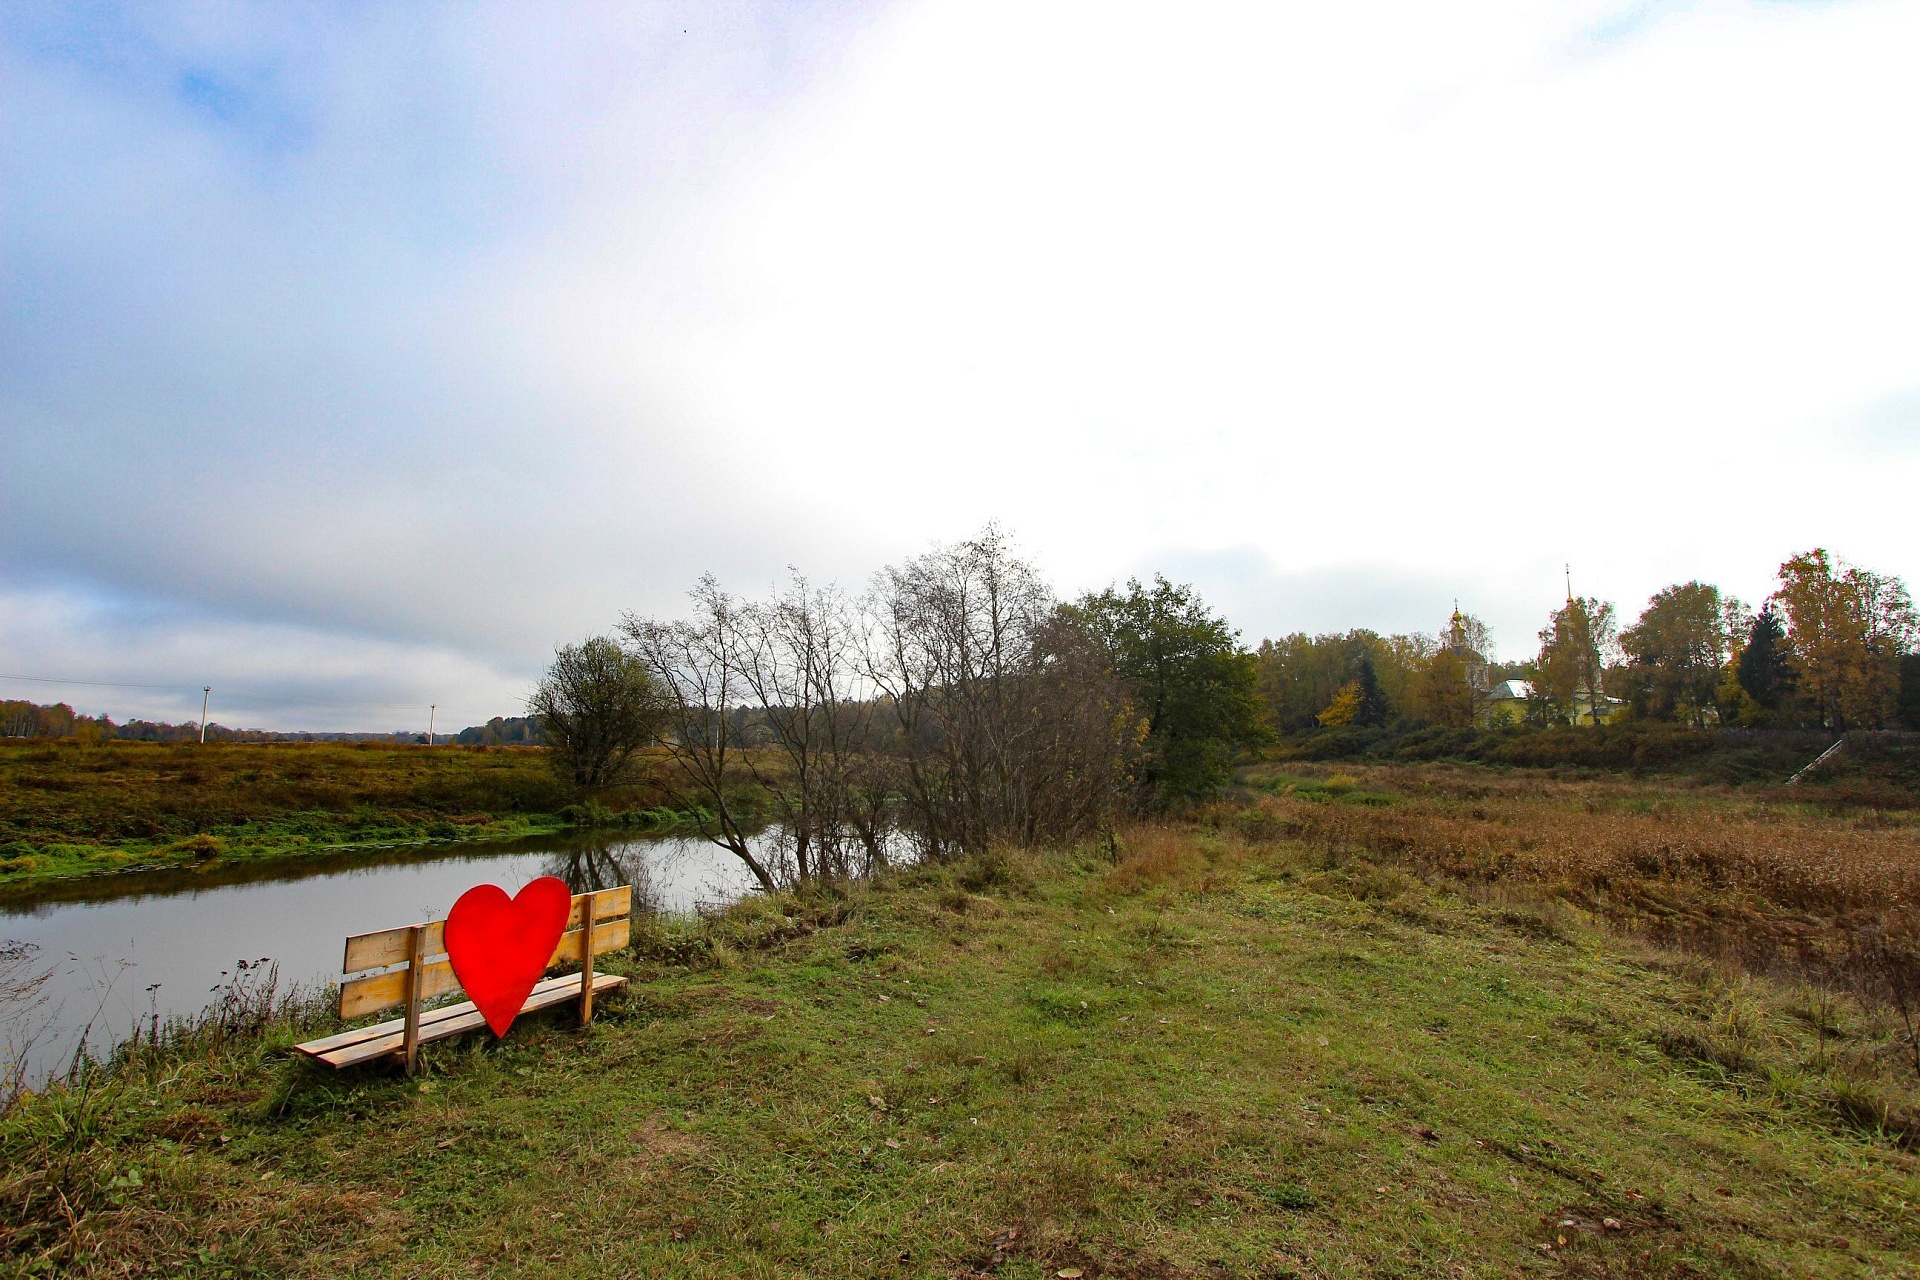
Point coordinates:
[[1345, 705]]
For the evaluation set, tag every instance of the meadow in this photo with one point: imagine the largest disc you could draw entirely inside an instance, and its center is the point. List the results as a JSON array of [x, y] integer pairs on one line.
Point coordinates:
[[1797, 881], [1395, 1021], [71, 808]]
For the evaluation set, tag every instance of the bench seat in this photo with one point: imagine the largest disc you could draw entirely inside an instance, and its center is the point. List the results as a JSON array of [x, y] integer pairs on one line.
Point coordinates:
[[383, 1039]]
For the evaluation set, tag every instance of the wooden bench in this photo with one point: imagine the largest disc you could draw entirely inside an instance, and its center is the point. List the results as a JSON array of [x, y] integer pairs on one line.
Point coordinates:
[[406, 967]]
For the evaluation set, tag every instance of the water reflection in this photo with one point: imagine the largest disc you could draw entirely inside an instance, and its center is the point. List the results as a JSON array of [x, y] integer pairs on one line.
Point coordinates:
[[607, 863]]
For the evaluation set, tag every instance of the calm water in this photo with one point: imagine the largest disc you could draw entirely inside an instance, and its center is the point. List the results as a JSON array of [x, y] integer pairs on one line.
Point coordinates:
[[123, 947]]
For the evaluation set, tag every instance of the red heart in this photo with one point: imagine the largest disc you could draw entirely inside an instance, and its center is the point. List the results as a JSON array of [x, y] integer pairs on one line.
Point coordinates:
[[499, 946]]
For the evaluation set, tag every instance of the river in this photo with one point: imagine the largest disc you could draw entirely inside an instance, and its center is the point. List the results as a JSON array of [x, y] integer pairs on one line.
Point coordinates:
[[124, 948]]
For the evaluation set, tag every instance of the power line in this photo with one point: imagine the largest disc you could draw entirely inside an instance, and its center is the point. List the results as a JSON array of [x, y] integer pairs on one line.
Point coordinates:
[[100, 684]]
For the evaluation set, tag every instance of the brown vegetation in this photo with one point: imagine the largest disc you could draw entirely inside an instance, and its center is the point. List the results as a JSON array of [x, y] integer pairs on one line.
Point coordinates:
[[1773, 885]]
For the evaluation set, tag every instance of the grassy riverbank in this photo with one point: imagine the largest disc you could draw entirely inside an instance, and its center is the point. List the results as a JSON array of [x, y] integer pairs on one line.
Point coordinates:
[[74, 808], [1247, 1047]]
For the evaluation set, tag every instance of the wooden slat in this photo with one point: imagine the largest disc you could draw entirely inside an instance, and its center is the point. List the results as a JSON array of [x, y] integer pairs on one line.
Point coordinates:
[[607, 903], [361, 996], [611, 936], [371, 994], [389, 946], [367, 1043]]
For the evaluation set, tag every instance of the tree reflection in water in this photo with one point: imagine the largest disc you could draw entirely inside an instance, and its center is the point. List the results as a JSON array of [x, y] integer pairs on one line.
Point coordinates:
[[607, 861]]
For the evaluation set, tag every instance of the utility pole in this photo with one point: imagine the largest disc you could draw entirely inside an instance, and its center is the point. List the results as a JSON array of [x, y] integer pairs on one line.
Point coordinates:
[[206, 692], [431, 708]]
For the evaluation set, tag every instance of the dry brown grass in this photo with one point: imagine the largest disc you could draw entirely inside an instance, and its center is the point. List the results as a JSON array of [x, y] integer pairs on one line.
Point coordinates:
[[1769, 885], [1153, 854]]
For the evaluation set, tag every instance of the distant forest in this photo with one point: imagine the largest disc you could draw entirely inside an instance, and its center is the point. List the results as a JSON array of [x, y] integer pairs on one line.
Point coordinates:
[[510, 731], [19, 719], [1833, 648]]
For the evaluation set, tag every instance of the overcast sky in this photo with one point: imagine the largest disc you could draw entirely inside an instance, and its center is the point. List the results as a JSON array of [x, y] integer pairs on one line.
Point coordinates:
[[358, 354]]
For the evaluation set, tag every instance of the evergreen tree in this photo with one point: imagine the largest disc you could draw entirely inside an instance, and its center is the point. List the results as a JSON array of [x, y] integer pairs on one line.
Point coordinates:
[[1910, 690], [1765, 670], [1370, 710]]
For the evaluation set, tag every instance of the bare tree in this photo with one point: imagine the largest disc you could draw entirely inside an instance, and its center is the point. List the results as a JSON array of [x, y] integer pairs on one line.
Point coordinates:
[[1088, 738], [696, 665], [1002, 707], [958, 703], [799, 662], [597, 707]]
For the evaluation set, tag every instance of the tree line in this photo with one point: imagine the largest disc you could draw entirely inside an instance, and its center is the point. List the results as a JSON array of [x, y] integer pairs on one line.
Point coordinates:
[[23, 719], [1832, 648], [957, 703]]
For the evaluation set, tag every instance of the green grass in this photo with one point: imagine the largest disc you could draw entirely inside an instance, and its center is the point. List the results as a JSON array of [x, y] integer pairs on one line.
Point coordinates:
[[1218, 1058], [77, 808], [1336, 787]]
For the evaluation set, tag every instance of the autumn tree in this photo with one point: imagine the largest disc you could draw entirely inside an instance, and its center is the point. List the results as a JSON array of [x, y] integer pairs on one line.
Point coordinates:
[[1187, 675], [1453, 681], [597, 707], [1574, 648], [1850, 627], [1299, 675], [1676, 650]]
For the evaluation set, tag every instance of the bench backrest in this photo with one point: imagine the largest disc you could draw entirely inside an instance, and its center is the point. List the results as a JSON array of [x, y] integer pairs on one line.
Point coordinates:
[[389, 952]]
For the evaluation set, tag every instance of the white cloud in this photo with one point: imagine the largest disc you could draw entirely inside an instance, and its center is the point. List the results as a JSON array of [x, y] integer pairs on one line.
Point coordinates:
[[145, 659], [462, 331]]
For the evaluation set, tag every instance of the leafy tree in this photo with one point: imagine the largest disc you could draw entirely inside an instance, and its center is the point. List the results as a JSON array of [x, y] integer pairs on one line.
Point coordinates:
[[597, 707], [1675, 652], [1850, 628], [1574, 649], [1186, 671], [1345, 705], [1451, 684]]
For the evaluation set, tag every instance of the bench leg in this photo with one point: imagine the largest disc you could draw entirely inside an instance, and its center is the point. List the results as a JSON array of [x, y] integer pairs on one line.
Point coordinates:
[[416, 961], [586, 965]]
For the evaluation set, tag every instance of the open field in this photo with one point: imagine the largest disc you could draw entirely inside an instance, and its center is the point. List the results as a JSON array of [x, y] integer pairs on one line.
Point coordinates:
[[74, 808], [1248, 1046], [1795, 881], [1875, 770]]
